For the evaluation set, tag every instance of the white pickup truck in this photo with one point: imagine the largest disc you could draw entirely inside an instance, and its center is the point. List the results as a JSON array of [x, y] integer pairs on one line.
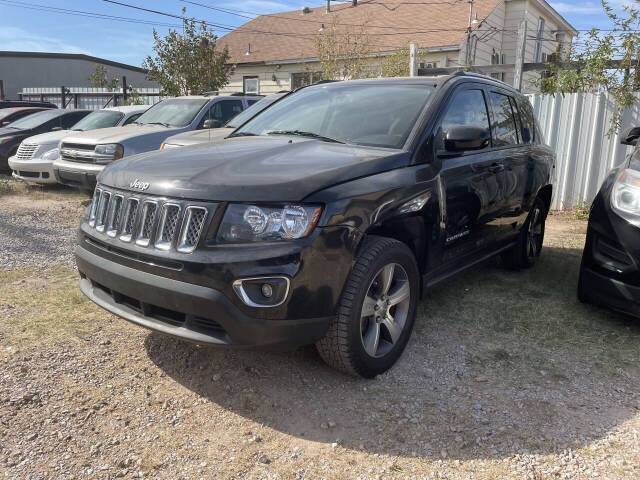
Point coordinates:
[[83, 156]]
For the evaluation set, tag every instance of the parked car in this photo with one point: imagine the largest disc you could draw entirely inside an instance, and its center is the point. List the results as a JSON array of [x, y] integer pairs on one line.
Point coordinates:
[[8, 115], [46, 121], [84, 155], [609, 272], [33, 161], [24, 103], [317, 221], [212, 134]]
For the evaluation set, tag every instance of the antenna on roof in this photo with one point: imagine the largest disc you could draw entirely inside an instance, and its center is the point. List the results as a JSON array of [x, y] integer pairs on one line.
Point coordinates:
[[248, 52]]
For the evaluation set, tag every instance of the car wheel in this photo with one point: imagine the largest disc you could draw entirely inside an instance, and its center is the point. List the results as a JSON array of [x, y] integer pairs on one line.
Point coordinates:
[[529, 244], [376, 311]]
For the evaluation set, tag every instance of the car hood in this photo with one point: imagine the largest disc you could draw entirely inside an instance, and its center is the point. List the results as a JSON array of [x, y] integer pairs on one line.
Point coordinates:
[[199, 136], [250, 169], [117, 134], [49, 137]]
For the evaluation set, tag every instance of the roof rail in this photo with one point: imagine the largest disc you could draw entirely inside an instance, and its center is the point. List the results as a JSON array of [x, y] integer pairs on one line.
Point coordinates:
[[462, 73]]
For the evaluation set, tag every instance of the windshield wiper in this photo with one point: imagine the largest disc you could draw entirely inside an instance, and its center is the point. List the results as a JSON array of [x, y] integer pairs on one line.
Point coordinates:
[[156, 123], [301, 133], [243, 134]]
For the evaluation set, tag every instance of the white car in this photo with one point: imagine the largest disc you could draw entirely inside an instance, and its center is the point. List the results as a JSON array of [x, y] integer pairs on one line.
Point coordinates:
[[33, 162]]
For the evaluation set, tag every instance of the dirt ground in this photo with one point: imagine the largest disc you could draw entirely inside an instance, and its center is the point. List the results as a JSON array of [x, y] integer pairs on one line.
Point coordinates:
[[506, 376]]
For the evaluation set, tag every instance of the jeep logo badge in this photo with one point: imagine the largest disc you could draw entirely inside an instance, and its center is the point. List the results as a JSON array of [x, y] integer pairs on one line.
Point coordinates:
[[139, 185]]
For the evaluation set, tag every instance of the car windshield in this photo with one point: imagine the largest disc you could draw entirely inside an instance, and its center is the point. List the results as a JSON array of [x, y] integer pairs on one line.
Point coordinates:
[[5, 112], [177, 112], [99, 119], [35, 120], [253, 110], [376, 114]]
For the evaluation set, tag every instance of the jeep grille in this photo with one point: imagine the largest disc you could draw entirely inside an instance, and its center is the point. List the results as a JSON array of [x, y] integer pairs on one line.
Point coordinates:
[[151, 221]]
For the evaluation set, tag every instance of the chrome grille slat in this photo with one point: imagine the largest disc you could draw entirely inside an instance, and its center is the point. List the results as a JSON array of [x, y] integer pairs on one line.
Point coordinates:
[[113, 219], [103, 206], [129, 219], [168, 225], [26, 151], [192, 226], [149, 209], [162, 224]]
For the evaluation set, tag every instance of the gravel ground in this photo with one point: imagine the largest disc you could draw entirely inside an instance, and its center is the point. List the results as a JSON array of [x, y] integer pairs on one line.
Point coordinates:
[[507, 376], [39, 230]]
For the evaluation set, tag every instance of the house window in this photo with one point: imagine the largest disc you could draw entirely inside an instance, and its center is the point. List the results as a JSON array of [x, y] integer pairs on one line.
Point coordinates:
[[538, 54], [301, 79], [251, 85]]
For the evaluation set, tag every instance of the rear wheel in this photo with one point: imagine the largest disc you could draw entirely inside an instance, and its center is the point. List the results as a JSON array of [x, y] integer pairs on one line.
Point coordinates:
[[376, 311], [529, 244]]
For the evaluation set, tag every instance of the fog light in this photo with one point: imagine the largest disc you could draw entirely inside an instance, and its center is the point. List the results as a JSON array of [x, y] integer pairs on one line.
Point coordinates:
[[267, 291]]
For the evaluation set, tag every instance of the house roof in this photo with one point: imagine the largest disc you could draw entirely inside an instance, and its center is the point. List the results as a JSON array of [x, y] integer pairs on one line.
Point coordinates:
[[390, 25]]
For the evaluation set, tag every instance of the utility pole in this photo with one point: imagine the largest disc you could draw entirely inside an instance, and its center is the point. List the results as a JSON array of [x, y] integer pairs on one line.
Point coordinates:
[[124, 90], [520, 50], [467, 52], [413, 56], [328, 10]]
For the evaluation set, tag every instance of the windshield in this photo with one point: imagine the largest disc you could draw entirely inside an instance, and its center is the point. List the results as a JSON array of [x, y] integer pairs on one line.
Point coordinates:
[[374, 114], [35, 120], [5, 112], [178, 112], [99, 119], [253, 110]]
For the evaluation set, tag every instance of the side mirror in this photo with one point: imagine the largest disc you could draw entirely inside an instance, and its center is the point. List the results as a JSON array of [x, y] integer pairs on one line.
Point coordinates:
[[56, 129], [211, 123], [630, 136], [465, 137]]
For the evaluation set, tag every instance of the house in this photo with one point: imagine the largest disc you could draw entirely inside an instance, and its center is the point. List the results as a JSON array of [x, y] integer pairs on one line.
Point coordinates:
[[278, 51]]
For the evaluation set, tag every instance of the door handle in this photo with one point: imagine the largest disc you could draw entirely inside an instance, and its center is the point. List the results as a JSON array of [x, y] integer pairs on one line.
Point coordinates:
[[496, 167]]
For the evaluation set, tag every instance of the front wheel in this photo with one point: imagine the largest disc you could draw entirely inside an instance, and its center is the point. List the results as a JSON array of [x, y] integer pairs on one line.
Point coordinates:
[[376, 312]]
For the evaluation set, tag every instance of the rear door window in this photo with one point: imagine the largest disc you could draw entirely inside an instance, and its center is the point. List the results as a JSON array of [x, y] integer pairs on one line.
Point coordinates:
[[504, 128]]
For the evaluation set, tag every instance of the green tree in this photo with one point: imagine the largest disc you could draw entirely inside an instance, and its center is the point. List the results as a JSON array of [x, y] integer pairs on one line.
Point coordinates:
[[605, 62], [188, 63], [344, 53], [100, 79]]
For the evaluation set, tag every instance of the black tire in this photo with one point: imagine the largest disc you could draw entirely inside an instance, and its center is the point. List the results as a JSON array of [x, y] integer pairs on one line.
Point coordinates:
[[344, 345], [529, 243]]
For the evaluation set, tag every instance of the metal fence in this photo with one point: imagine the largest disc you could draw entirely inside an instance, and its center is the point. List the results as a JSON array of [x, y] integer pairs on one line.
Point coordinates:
[[575, 125], [88, 97]]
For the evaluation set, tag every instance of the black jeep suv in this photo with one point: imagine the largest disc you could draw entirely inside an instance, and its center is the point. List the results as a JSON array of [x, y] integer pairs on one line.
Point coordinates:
[[322, 219]]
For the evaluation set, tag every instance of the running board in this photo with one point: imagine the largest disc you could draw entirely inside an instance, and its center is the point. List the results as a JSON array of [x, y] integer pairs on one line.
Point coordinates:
[[431, 283]]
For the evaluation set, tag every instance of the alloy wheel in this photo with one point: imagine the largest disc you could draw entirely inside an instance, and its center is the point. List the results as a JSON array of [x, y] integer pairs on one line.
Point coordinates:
[[534, 233], [384, 310]]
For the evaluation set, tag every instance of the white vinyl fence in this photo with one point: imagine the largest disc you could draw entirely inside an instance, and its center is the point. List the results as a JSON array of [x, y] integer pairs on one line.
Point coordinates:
[[575, 125]]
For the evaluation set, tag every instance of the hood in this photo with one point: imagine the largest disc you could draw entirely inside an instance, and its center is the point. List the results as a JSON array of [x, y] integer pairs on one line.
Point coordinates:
[[117, 134], [199, 136], [49, 137], [251, 169]]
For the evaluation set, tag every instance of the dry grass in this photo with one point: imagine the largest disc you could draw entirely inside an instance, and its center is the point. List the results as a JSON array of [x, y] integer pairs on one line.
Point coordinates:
[[42, 307]]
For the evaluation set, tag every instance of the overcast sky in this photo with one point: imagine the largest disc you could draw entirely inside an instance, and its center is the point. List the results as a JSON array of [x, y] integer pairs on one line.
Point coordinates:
[[25, 26]]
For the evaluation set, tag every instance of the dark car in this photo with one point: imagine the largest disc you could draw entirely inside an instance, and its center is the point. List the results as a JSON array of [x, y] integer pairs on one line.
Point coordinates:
[[25, 103], [46, 121], [609, 272], [8, 115], [323, 219]]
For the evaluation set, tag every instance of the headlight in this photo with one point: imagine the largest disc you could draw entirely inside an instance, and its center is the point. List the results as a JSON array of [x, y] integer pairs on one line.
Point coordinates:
[[253, 223], [50, 155], [114, 150], [625, 196]]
